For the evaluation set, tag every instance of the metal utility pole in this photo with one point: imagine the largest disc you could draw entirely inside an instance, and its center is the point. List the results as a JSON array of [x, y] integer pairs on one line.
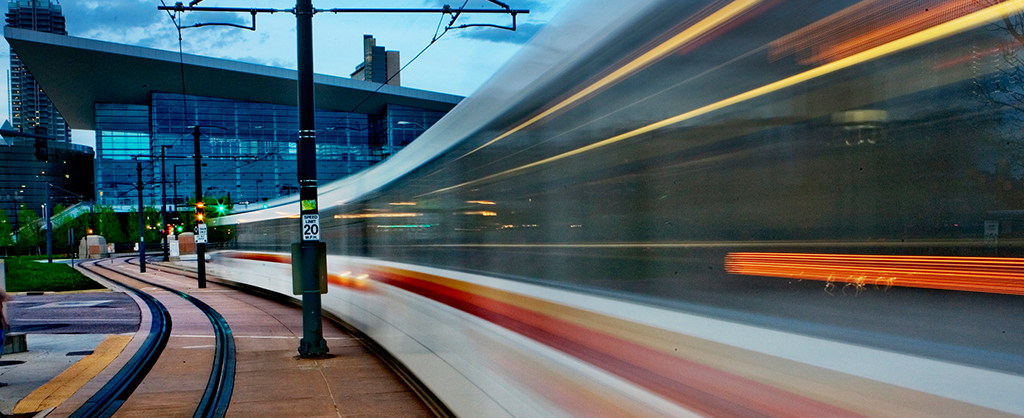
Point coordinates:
[[309, 256], [163, 199], [49, 227], [200, 231], [142, 226], [311, 251]]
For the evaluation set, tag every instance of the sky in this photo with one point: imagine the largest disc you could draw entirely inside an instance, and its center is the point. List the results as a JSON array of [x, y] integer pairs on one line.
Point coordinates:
[[458, 63]]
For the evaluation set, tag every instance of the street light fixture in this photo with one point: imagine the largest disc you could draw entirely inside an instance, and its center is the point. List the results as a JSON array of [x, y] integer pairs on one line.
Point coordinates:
[[405, 122], [163, 199]]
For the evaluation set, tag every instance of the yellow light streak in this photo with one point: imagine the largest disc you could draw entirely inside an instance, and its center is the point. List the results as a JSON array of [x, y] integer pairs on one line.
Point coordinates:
[[934, 33], [715, 20], [402, 203], [481, 213], [480, 202]]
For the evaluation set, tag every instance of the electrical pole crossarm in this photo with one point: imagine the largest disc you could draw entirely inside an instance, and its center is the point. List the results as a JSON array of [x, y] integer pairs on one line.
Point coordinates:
[[447, 9], [178, 7]]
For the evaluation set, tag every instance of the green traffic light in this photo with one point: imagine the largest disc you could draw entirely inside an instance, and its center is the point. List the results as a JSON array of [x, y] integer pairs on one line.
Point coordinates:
[[220, 209]]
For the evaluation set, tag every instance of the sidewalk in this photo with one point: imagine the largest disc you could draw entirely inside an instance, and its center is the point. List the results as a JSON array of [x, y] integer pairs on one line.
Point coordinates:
[[48, 356], [61, 329]]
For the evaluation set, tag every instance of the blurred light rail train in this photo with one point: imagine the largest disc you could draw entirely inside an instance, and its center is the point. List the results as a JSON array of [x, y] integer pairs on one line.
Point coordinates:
[[701, 208]]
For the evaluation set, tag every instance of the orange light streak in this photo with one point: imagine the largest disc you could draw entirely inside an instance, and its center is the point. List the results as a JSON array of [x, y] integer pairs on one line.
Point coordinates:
[[971, 274], [378, 215], [866, 25]]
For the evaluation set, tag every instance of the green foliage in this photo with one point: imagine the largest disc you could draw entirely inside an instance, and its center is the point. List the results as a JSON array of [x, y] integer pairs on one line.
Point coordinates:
[[30, 236], [109, 226], [6, 230], [80, 226], [151, 220], [25, 275]]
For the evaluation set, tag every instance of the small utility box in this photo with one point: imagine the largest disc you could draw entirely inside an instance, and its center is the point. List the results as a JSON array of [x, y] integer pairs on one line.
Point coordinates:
[[313, 259]]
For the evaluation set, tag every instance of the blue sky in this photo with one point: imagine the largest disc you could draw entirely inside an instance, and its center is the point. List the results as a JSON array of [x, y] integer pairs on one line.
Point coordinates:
[[460, 62]]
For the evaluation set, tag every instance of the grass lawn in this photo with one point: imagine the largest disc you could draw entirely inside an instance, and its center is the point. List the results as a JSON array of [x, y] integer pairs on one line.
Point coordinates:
[[27, 275]]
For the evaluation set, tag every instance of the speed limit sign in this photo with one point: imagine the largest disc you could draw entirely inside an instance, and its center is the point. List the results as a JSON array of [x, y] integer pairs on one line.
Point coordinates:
[[310, 227]]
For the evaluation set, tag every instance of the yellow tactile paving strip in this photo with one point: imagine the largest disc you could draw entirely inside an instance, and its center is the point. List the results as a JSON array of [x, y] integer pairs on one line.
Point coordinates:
[[60, 388]]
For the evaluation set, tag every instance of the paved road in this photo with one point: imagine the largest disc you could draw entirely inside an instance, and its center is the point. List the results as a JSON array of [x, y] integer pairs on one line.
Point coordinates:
[[74, 313]]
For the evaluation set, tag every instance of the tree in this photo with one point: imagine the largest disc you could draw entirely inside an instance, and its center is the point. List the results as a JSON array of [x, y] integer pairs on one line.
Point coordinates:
[[151, 220], [6, 232], [109, 226], [30, 236]]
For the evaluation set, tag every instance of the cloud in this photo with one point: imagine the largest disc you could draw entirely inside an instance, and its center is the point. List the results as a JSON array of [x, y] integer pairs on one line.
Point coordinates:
[[110, 15], [527, 25], [134, 22]]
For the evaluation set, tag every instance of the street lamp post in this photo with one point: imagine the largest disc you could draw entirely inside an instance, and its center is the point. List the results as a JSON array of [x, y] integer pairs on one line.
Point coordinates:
[[258, 191], [49, 226], [142, 226]]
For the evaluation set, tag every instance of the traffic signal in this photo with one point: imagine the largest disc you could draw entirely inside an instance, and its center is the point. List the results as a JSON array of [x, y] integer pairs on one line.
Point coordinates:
[[41, 152], [199, 211], [221, 209]]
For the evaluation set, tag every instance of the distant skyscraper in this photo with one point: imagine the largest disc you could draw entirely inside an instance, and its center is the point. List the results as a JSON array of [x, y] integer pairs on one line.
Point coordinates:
[[32, 111], [379, 66]]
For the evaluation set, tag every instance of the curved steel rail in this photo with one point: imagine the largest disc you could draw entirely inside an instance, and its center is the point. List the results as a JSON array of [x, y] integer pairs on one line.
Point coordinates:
[[217, 396], [111, 396], [421, 390]]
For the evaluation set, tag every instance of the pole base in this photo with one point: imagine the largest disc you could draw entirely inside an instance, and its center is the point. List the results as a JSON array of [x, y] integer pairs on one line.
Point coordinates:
[[307, 349]]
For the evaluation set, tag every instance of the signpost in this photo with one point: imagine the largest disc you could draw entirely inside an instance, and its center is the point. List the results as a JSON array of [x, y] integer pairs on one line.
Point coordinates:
[[200, 231]]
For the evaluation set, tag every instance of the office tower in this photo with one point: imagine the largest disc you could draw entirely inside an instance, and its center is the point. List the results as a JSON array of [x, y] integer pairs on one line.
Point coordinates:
[[379, 66], [32, 111]]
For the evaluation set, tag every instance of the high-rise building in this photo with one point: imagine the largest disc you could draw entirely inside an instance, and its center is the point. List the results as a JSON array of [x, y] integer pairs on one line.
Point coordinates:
[[379, 66], [31, 110]]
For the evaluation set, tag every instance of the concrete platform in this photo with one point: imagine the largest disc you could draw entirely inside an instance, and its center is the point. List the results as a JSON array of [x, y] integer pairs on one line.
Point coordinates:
[[270, 379]]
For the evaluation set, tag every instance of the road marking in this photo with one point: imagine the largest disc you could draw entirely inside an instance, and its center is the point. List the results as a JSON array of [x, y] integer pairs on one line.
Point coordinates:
[[61, 387], [71, 304]]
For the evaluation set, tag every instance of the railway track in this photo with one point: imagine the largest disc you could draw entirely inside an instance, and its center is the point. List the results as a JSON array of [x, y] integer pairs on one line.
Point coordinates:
[[428, 397], [217, 395]]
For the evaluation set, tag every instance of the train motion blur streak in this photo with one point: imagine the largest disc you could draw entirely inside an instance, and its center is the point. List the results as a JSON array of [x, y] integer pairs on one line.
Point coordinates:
[[601, 230], [925, 36], [972, 274]]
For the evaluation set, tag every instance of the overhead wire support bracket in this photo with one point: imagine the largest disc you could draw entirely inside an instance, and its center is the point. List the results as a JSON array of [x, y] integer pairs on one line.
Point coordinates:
[[180, 7]]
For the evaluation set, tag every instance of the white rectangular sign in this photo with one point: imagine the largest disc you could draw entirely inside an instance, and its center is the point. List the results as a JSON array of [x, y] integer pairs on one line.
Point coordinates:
[[311, 227], [201, 234]]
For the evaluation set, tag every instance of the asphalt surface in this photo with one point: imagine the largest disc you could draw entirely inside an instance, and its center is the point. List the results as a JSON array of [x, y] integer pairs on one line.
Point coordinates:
[[103, 312]]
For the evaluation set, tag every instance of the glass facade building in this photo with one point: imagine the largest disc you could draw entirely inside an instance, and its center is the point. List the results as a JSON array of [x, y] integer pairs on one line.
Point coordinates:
[[249, 149], [23, 176]]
